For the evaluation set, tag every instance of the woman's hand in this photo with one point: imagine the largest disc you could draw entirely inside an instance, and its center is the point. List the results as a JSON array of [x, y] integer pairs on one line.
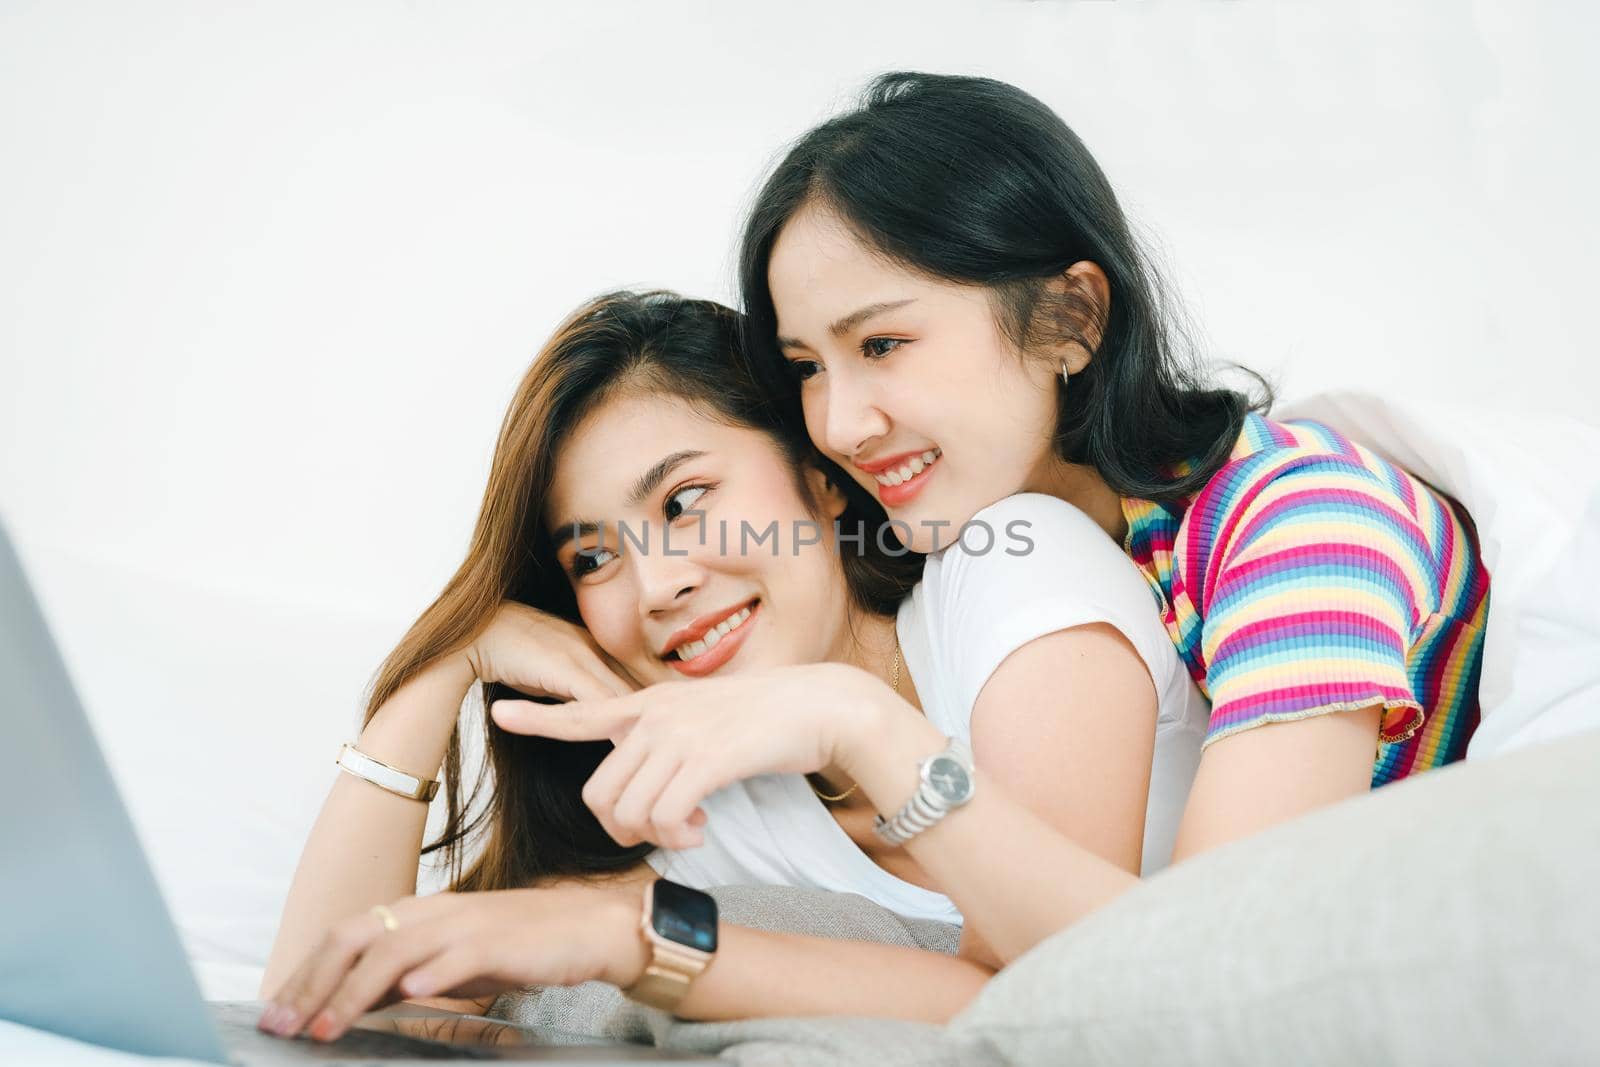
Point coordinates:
[[539, 654], [462, 945], [679, 742]]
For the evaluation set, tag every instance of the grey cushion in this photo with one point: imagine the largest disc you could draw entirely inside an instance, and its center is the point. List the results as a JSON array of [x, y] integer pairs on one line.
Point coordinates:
[[1451, 919]]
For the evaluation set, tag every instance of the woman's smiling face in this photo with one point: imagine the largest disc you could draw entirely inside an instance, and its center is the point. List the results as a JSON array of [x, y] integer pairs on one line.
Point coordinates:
[[672, 563], [907, 381]]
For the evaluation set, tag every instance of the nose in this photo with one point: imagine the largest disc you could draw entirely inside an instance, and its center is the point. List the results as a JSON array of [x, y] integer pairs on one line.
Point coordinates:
[[851, 416], [666, 571]]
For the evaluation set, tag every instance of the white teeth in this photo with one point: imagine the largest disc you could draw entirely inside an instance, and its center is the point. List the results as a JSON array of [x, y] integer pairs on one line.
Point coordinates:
[[910, 470], [691, 649]]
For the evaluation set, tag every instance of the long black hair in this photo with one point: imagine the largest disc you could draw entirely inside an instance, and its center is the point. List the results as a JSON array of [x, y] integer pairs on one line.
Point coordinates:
[[974, 181], [660, 344]]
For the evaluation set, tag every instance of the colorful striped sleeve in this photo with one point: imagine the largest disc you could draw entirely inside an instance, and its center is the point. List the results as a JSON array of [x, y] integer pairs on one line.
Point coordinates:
[[1315, 589]]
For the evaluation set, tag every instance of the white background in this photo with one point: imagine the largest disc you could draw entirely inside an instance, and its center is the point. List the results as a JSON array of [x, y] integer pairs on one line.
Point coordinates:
[[269, 274]]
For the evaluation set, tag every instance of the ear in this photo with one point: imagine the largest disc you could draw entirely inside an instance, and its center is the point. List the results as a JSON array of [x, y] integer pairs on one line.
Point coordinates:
[[830, 498], [1083, 294]]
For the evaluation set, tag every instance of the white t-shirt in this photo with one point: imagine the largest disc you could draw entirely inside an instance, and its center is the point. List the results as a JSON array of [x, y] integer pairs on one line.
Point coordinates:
[[1046, 567]]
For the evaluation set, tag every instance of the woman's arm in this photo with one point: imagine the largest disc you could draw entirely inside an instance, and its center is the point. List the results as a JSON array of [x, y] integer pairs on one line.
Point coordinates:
[[1276, 772], [364, 846], [1008, 862], [474, 945], [1010, 871], [1067, 722], [758, 972], [1018, 880], [1016, 877]]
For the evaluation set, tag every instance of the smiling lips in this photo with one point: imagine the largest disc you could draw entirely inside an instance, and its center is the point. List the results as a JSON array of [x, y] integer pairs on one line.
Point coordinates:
[[902, 477], [710, 641]]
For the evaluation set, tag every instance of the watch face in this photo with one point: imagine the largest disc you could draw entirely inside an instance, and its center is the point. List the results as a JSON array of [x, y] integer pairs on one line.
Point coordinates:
[[684, 915], [949, 779]]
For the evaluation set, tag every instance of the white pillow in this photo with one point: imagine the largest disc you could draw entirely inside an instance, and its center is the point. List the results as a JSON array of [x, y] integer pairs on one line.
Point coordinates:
[[1532, 484]]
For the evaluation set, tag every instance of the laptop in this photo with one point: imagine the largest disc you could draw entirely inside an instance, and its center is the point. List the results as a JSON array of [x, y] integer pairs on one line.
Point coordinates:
[[87, 947]]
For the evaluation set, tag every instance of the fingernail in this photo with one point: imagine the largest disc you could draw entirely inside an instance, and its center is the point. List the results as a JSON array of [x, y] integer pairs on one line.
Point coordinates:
[[326, 1027], [269, 1018], [279, 1019]]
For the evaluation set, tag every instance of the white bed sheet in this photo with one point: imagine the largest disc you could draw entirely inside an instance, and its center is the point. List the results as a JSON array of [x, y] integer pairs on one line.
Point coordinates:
[[39, 1048]]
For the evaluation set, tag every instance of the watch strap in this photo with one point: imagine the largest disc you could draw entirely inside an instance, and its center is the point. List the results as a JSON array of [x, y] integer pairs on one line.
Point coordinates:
[[926, 807], [667, 976]]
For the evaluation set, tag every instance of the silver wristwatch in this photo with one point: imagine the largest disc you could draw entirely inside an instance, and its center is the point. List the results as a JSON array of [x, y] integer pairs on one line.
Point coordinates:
[[947, 783]]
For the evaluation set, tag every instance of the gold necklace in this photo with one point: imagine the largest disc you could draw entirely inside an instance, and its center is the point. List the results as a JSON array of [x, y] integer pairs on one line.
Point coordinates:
[[894, 683]]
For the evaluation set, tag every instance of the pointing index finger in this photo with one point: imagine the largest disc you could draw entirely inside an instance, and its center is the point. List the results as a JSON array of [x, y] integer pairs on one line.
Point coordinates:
[[575, 720]]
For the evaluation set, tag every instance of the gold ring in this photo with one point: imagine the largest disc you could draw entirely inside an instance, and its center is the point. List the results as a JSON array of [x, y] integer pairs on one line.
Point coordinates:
[[387, 917]]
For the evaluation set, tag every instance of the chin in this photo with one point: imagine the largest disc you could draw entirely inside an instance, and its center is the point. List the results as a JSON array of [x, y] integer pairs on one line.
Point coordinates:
[[919, 516]]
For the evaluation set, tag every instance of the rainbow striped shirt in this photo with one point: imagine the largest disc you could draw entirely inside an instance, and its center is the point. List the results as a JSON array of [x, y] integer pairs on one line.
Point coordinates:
[[1311, 576]]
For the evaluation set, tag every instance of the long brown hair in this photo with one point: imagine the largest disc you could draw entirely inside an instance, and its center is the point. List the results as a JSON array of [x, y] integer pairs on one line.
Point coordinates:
[[661, 343]]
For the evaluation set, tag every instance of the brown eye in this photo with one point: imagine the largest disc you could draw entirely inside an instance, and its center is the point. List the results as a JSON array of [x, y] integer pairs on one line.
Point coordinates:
[[878, 347], [803, 368], [589, 560], [682, 500]]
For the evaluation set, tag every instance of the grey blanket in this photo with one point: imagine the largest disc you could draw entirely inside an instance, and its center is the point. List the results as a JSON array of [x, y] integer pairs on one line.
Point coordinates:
[[601, 1010]]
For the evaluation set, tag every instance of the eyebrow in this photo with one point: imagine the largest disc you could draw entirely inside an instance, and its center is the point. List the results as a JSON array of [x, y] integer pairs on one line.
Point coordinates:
[[850, 321], [655, 475], [571, 531], [647, 484]]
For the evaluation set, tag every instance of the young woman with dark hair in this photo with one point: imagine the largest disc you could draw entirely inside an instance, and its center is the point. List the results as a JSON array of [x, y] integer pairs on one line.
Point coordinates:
[[946, 269], [640, 414]]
